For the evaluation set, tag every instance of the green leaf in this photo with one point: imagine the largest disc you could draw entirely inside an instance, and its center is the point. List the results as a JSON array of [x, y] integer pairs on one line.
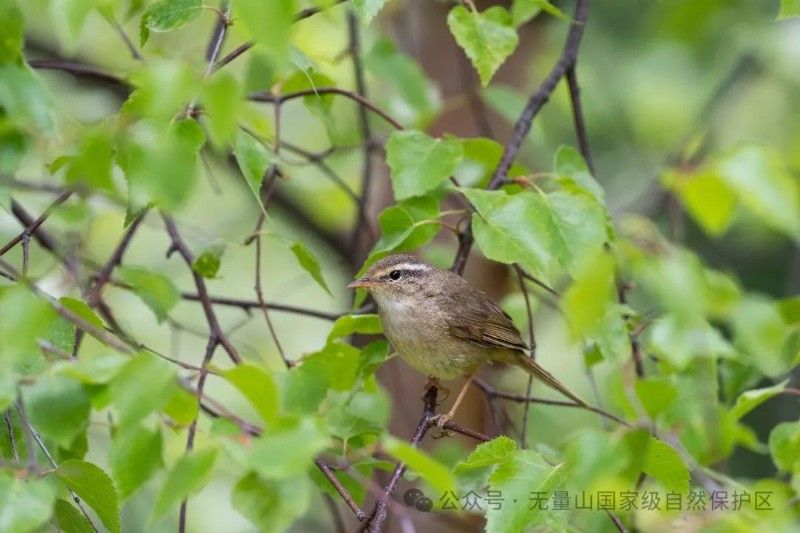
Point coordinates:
[[419, 163], [434, 472], [487, 154], [512, 229], [656, 394], [207, 263], [760, 332], [70, 18], [764, 187], [11, 28], [82, 310], [168, 15], [93, 164], [663, 464], [26, 318], [144, 385], [190, 474], [25, 505], [270, 23], [258, 387], [488, 38], [95, 371], [347, 325], [223, 99], [69, 519], [164, 90], [160, 162], [586, 301], [304, 387], [25, 98], [709, 200], [134, 457], [253, 160], [271, 505], [473, 471], [405, 81], [572, 169], [310, 264], [784, 445], [94, 487], [578, 228], [155, 290], [367, 9], [182, 406], [749, 400], [58, 407], [789, 8], [405, 226], [517, 479], [358, 414], [288, 449]]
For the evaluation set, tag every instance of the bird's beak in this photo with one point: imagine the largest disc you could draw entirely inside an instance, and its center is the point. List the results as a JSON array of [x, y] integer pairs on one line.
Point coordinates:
[[362, 283]]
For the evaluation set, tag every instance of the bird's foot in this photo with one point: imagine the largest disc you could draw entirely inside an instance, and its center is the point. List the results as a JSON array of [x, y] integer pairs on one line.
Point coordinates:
[[434, 382], [441, 419]]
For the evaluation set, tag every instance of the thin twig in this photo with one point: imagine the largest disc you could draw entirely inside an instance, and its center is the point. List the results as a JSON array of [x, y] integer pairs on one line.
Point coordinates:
[[531, 334], [78, 70], [253, 304], [577, 115], [523, 124], [31, 227], [11, 437]]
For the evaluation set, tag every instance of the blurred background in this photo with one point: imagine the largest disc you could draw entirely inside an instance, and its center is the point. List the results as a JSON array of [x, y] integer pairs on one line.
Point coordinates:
[[667, 86]]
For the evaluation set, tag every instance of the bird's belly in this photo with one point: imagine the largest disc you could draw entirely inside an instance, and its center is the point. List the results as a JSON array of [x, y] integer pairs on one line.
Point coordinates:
[[426, 344]]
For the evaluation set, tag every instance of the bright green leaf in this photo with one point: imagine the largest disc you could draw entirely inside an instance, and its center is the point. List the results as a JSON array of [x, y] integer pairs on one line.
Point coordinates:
[[518, 478], [25, 505], [70, 519], [253, 160], [155, 290], [656, 394], [58, 407], [349, 324], [709, 200], [405, 226], [223, 98], [134, 457], [419, 163], [258, 387], [760, 332], [512, 229], [784, 445], [270, 23], [288, 449], [310, 264], [94, 487], [271, 505], [367, 9], [665, 465], [488, 38], [82, 310], [11, 29], [142, 386], [749, 400], [789, 8], [434, 472], [168, 15], [94, 371], [25, 98], [571, 168], [207, 263], [586, 301], [26, 318], [577, 225], [190, 474]]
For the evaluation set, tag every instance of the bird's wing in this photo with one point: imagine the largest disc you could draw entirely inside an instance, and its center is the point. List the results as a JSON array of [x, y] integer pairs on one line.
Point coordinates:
[[486, 324]]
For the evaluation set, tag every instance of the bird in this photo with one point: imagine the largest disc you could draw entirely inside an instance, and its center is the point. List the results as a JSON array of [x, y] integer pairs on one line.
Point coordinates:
[[444, 327]]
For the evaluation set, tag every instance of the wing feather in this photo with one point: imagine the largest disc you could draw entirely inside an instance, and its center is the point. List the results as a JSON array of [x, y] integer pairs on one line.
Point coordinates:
[[485, 323]]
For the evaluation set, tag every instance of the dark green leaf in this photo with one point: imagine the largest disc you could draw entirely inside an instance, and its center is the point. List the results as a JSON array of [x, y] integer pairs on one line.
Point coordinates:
[[419, 163], [190, 474], [258, 387], [156, 290], [168, 15], [488, 38], [406, 225], [749, 400], [94, 487], [58, 407], [134, 457], [25, 98], [207, 263], [310, 264], [577, 225], [25, 505]]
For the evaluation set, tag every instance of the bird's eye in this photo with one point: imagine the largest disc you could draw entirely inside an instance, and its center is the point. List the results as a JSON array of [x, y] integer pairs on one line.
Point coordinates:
[[394, 275]]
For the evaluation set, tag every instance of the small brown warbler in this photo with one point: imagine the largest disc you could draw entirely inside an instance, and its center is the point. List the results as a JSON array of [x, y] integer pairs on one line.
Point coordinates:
[[444, 327]]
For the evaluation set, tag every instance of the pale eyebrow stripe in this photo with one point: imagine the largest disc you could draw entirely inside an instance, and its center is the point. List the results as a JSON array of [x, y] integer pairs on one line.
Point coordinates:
[[405, 266]]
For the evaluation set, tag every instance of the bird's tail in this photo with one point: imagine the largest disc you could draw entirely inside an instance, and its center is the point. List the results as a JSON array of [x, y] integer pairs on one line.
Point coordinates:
[[534, 369]]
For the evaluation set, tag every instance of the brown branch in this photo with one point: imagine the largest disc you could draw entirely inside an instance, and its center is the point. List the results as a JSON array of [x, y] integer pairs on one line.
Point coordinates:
[[523, 124], [273, 99], [211, 317], [346, 497], [79, 70], [93, 298], [31, 226], [531, 334], [252, 304], [577, 115], [300, 15], [377, 518]]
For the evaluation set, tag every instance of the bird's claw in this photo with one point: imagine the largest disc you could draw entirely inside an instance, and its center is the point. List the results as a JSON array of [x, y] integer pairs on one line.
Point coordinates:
[[441, 420]]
